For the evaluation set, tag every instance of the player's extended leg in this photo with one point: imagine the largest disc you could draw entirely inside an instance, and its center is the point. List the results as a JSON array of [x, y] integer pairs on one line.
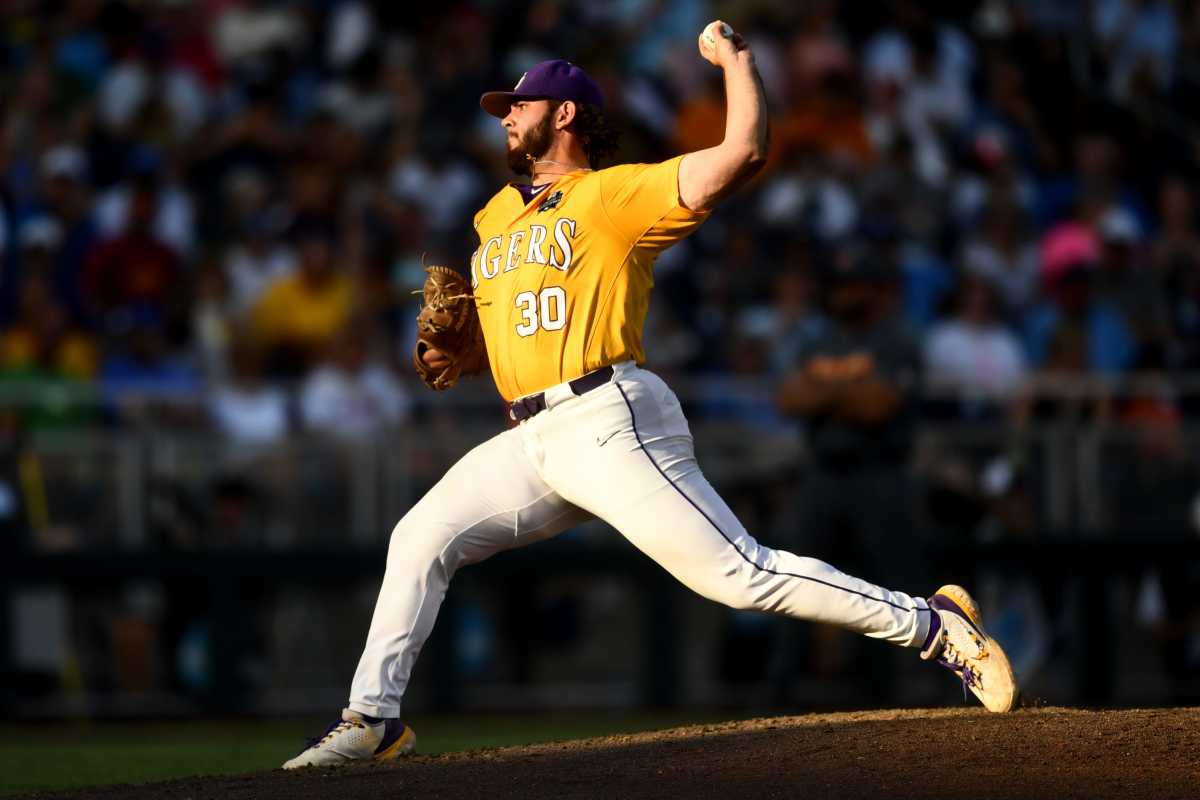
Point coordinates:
[[628, 459], [676, 517], [653, 492], [491, 500]]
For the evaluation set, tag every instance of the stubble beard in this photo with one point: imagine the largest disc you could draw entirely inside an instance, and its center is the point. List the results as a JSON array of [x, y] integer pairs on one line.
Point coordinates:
[[532, 146]]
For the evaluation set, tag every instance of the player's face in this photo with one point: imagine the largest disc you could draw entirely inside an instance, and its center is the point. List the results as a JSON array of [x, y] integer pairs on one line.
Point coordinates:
[[530, 133]]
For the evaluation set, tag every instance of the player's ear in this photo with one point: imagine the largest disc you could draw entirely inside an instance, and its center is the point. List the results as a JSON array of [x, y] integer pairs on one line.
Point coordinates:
[[565, 115]]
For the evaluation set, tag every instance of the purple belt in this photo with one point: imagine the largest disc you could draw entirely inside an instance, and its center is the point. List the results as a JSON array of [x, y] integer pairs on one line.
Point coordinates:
[[526, 407]]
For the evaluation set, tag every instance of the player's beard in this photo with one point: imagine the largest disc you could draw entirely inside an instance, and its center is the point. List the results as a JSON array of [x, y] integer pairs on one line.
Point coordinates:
[[530, 147]]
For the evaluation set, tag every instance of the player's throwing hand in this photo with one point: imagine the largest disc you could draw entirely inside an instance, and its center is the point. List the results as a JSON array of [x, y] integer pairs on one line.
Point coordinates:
[[719, 44]]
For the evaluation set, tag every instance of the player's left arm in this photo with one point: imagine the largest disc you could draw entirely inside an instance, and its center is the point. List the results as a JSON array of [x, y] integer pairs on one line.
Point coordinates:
[[706, 176]]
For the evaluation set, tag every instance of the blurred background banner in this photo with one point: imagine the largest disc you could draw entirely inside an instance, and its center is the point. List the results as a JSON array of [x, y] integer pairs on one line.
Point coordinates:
[[976, 238]]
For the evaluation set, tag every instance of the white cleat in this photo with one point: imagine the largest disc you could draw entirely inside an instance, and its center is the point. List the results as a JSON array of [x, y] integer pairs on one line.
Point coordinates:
[[962, 647], [352, 738]]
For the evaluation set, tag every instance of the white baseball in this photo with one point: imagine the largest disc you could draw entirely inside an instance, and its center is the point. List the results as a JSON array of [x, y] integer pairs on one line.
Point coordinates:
[[710, 32]]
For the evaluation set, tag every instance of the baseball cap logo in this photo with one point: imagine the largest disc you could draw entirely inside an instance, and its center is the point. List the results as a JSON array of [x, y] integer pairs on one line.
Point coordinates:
[[517, 88]]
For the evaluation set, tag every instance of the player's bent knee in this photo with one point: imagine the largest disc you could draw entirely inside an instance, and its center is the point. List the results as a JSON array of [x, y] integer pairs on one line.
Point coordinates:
[[419, 544]]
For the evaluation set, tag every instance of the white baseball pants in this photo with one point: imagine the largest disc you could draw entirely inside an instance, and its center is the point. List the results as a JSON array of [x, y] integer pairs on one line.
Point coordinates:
[[622, 453]]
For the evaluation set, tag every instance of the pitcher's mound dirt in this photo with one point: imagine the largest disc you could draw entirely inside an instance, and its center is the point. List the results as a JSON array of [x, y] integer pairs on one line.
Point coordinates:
[[1048, 752]]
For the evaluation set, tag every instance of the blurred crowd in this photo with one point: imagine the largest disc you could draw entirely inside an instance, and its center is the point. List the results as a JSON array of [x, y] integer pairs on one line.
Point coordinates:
[[215, 211]]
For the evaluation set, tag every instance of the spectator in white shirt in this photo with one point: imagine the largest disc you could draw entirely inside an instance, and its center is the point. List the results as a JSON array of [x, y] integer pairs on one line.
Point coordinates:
[[247, 409], [351, 396], [972, 354]]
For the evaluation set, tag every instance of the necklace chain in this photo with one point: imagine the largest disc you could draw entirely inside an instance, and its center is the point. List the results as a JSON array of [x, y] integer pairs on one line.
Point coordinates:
[[561, 164], [571, 167]]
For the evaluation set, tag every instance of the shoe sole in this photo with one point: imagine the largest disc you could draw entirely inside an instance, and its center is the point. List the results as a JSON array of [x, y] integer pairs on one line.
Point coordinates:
[[995, 653], [403, 746]]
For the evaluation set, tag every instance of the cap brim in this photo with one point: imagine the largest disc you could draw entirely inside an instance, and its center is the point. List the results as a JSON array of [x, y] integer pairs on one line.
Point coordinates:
[[498, 103]]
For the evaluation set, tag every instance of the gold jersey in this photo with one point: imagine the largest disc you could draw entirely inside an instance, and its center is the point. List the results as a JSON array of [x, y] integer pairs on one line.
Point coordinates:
[[562, 283]]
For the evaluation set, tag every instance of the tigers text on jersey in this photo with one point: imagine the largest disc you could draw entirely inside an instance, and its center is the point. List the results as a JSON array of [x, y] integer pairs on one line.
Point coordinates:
[[562, 283]]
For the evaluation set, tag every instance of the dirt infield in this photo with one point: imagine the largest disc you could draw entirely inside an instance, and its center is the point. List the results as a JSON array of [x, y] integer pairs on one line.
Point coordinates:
[[949, 753]]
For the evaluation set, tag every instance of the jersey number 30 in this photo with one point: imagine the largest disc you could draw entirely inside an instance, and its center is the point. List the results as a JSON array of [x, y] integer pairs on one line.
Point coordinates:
[[551, 302]]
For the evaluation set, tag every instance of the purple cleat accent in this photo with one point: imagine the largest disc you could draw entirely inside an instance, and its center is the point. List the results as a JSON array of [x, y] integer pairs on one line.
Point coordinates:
[[393, 731], [957, 641]]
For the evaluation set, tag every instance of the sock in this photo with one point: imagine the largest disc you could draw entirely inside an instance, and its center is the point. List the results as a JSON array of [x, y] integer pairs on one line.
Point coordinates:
[[372, 720], [935, 627]]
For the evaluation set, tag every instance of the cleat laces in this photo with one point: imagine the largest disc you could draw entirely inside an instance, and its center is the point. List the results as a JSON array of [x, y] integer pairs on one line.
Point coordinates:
[[335, 727], [957, 662]]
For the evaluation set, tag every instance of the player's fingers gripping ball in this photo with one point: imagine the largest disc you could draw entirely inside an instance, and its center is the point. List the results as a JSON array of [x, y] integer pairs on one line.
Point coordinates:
[[711, 40], [715, 29], [448, 323]]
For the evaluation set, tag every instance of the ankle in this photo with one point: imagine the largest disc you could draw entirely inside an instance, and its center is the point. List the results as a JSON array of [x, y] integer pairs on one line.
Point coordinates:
[[935, 628]]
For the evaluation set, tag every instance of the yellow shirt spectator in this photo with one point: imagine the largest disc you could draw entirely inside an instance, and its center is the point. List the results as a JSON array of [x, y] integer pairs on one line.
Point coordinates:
[[303, 311]]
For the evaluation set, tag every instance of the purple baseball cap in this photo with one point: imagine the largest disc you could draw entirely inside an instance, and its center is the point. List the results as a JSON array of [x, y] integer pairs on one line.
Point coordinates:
[[549, 80]]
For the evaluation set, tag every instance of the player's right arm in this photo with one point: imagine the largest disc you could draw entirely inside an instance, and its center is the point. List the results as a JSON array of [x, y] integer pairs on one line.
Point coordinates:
[[655, 205], [706, 176]]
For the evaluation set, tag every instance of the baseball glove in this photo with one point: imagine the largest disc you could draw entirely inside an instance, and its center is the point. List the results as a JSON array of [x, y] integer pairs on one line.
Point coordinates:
[[448, 323]]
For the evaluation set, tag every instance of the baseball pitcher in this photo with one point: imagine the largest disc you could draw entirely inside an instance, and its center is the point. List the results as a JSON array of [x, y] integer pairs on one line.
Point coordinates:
[[555, 304]]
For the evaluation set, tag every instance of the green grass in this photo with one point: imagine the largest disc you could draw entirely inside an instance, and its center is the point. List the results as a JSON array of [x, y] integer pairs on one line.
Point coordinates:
[[42, 756]]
